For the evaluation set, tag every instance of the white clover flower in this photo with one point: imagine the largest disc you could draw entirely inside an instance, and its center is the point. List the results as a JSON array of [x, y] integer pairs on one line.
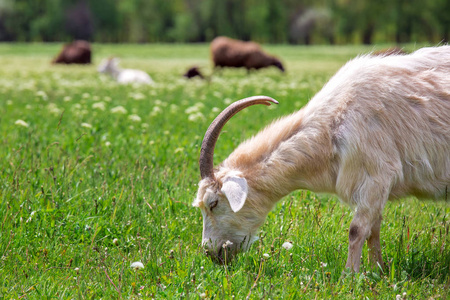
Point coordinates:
[[196, 117], [134, 118], [107, 98], [227, 101], [86, 95], [9, 102], [156, 111], [266, 255], [118, 110], [53, 109], [137, 96], [203, 295], [42, 94], [86, 125], [145, 125], [287, 245], [99, 105], [323, 265], [173, 108], [28, 106], [67, 98], [22, 123], [398, 297], [215, 110], [137, 265], [115, 242], [107, 144]]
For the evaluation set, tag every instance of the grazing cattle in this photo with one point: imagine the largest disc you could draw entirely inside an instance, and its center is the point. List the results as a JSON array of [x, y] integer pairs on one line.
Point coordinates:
[[226, 52], [77, 52]]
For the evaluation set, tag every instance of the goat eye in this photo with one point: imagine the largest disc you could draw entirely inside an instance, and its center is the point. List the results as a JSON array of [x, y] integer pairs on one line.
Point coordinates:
[[213, 204]]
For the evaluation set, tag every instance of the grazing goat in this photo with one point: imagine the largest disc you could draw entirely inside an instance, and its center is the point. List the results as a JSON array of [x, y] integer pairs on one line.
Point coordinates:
[[226, 52], [378, 130], [77, 52], [125, 76], [390, 51]]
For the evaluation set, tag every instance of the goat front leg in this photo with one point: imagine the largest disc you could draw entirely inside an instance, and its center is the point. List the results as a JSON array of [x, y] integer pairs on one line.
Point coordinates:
[[365, 226], [373, 242]]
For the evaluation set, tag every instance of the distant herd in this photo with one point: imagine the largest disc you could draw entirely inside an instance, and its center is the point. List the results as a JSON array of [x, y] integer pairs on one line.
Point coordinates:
[[225, 52]]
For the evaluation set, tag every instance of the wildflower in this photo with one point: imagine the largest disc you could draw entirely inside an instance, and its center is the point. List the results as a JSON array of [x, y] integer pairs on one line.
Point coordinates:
[[181, 149], [137, 265], [86, 125], [52, 108], [156, 110], [287, 245], [115, 242], [226, 244], [266, 255], [107, 144], [203, 295], [173, 108], [67, 98], [323, 265], [86, 95], [42, 94], [196, 117], [137, 96], [77, 270], [99, 105], [194, 109], [398, 297], [134, 118], [22, 123], [118, 110]]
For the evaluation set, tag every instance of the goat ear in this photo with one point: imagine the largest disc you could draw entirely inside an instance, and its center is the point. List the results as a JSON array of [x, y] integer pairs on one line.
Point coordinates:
[[236, 190]]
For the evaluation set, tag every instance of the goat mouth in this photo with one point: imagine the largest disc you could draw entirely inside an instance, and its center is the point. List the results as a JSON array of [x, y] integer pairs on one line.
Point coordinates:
[[223, 256]]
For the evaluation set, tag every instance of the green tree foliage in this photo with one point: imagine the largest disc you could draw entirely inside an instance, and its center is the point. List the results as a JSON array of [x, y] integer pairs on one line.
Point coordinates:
[[269, 21]]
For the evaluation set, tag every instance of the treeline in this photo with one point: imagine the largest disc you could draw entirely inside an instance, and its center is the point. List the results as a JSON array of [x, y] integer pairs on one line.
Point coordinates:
[[268, 21]]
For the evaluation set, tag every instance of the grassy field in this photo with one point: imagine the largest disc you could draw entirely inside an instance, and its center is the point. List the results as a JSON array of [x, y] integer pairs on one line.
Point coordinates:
[[96, 176]]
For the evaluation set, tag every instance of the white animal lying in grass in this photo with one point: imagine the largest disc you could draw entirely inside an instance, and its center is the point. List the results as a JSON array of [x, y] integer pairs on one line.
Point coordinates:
[[111, 66], [378, 130]]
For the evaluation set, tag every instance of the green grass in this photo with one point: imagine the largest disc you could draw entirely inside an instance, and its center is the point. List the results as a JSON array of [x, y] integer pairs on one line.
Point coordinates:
[[80, 176]]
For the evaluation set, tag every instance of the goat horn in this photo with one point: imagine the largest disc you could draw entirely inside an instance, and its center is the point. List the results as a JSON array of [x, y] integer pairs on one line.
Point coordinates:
[[212, 134]]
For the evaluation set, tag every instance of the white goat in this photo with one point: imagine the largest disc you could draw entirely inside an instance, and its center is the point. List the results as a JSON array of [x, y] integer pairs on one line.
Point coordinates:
[[125, 76], [378, 130]]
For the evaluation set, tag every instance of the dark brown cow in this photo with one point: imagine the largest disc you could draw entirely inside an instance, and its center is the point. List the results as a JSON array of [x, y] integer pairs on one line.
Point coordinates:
[[77, 52]]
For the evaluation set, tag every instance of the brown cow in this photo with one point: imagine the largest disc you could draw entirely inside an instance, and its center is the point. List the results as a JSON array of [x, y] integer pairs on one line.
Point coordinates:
[[77, 52]]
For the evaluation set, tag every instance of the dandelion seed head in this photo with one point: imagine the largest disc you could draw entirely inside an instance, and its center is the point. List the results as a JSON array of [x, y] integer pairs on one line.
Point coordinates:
[[137, 265], [287, 245]]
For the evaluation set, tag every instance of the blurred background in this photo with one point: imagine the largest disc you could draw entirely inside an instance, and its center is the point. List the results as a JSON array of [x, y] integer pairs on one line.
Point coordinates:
[[265, 21]]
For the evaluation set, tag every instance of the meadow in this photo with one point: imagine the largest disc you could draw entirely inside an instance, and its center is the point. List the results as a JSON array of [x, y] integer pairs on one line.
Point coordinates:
[[96, 176]]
